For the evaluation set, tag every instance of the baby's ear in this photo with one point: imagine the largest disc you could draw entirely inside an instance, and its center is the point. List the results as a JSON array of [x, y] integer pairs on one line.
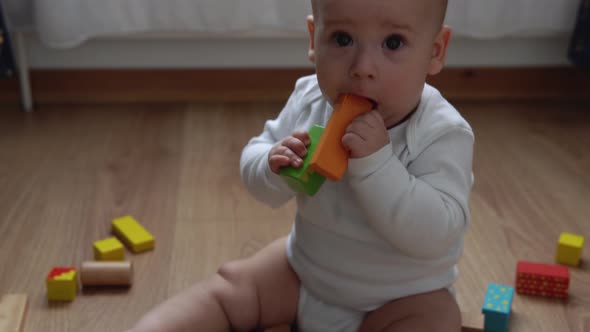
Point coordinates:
[[439, 50], [310, 28]]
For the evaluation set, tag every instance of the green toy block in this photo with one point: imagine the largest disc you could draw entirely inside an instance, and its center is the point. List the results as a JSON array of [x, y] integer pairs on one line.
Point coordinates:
[[304, 179]]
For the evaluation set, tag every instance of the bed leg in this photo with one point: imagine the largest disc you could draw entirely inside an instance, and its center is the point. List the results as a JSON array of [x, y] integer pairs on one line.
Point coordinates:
[[23, 71]]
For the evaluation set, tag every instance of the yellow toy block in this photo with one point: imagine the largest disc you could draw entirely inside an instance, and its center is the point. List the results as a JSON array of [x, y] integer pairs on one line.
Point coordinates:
[[109, 249], [135, 237], [569, 249], [62, 284]]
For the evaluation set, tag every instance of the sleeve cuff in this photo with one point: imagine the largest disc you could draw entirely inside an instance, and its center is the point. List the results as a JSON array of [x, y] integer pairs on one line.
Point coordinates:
[[361, 167], [275, 180]]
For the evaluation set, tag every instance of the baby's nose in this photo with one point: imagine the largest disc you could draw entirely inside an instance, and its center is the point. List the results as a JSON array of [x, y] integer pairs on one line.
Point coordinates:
[[363, 65]]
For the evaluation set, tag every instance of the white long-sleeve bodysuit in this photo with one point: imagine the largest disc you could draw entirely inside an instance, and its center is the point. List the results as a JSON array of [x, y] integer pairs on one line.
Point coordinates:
[[394, 224]]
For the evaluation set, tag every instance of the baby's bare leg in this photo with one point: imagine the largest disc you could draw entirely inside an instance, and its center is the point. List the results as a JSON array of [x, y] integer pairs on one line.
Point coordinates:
[[261, 290], [434, 311]]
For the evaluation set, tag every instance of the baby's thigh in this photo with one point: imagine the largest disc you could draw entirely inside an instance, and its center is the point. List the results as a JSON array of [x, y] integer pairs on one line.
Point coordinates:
[[275, 283], [433, 311]]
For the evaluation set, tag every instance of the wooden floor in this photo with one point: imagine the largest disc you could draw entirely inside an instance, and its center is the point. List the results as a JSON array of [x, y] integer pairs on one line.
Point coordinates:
[[66, 171]]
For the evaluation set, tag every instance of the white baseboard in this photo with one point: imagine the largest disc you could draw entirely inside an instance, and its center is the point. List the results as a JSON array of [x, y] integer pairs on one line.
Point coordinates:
[[269, 52]]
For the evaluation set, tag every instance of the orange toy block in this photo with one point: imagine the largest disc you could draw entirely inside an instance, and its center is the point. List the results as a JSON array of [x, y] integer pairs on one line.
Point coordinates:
[[546, 280], [330, 158]]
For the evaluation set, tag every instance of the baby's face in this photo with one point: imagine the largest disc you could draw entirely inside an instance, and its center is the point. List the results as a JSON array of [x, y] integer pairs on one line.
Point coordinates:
[[379, 49]]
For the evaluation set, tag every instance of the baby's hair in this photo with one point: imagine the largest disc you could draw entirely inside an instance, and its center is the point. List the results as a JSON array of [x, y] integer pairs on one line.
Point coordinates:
[[444, 4], [443, 9]]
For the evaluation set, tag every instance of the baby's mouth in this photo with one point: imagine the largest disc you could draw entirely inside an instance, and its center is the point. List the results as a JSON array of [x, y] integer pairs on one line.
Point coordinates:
[[374, 103]]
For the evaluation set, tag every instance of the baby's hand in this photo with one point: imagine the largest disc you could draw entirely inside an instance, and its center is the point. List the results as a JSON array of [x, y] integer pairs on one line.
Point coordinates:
[[365, 135], [289, 151]]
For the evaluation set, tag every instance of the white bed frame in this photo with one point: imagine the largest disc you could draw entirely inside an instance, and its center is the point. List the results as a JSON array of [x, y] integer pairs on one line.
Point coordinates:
[[273, 51]]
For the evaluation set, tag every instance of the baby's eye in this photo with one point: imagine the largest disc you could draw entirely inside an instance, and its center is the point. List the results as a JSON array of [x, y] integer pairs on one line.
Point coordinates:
[[393, 42], [342, 39]]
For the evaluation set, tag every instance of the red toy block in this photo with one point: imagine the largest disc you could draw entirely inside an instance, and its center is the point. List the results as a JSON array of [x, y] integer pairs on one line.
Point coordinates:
[[538, 279], [56, 271]]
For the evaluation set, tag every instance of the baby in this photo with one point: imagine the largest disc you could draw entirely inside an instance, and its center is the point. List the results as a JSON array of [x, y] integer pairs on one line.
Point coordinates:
[[378, 249]]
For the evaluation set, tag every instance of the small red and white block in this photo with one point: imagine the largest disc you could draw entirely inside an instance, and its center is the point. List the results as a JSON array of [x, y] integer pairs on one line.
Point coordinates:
[[548, 280]]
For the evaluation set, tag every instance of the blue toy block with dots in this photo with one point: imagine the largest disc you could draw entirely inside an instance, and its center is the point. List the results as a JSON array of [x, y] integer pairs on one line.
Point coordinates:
[[496, 307]]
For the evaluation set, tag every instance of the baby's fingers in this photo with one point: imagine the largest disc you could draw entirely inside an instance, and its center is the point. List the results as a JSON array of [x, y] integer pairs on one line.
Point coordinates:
[[297, 144], [278, 161], [353, 143], [303, 137], [282, 156]]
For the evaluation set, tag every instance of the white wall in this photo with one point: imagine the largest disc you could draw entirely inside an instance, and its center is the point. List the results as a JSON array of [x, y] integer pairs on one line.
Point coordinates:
[[267, 52]]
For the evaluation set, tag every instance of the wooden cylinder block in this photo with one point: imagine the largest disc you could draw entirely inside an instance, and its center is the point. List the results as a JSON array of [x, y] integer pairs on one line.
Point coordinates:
[[105, 273]]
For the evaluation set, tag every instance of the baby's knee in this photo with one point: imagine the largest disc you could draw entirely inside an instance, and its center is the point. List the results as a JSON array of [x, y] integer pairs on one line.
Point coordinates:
[[438, 311], [235, 278], [233, 272], [235, 291]]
